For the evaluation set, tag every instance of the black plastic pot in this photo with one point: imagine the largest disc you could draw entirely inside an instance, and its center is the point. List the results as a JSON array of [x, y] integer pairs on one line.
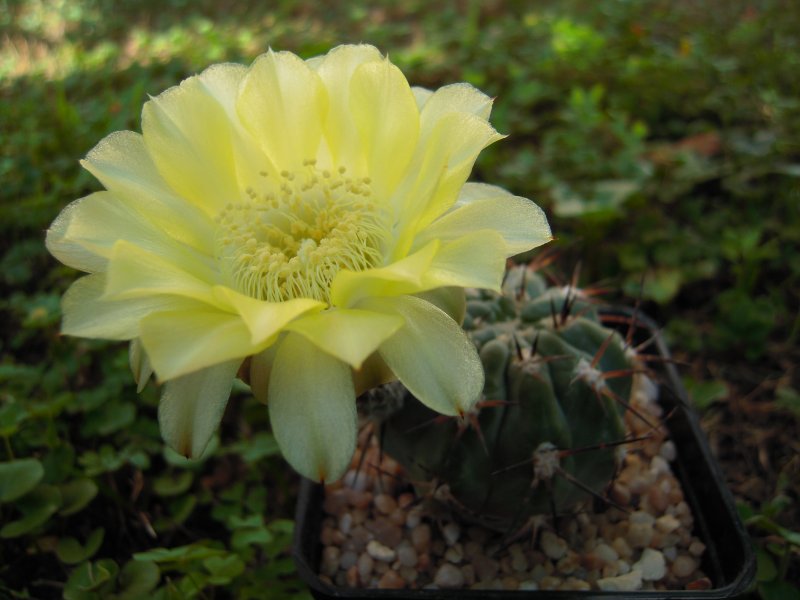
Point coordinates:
[[728, 560]]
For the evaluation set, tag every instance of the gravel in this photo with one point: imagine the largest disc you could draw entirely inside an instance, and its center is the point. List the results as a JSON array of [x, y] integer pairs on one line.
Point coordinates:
[[377, 533]]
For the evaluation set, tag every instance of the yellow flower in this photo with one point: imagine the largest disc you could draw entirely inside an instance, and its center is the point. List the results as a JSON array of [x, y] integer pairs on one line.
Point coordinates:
[[312, 215]]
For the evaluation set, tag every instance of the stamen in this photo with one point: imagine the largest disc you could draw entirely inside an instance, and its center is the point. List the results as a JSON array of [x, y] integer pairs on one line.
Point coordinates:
[[291, 238]]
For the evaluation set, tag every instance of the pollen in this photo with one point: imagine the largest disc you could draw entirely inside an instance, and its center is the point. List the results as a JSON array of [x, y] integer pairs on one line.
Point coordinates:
[[291, 238]]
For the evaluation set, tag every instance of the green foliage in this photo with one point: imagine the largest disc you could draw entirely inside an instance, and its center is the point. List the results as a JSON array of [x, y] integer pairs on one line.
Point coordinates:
[[774, 554], [664, 152]]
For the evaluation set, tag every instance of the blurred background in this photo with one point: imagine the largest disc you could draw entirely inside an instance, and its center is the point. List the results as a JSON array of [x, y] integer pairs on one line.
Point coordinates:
[[662, 137]]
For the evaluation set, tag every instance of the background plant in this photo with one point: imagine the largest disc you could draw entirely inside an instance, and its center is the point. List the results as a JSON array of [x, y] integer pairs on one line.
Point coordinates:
[[663, 138]]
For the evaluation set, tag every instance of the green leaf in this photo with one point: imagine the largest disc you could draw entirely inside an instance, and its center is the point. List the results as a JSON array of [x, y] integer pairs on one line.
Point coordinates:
[[224, 568], [18, 477], [173, 484], [36, 507], [76, 495], [70, 551], [181, 554], [705, 393], [137, 579], [90, 581], [766, 569], [778, 590], [11, 416]]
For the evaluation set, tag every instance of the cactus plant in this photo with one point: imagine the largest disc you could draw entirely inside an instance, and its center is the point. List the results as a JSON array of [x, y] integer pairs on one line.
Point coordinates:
[[546, 434]]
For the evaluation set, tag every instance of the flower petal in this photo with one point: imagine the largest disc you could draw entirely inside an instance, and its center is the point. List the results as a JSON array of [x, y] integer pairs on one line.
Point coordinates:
[[421, 96], [136, 273], [98, 221], [140, 364], [387, 119], [181, 342], [68, 251], [401, 277], [312, 409], [451, 299], [431, 355], [474, 260], [457, 97], [350, 335], [192, 406], [336, 70], [188, 133], [265, 319], [123, 165], [88, 314], [442, 166], [522, 223], [283, 103]]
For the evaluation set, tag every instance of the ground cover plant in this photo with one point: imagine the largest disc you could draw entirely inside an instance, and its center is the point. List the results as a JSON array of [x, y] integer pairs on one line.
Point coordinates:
[[662, 138]]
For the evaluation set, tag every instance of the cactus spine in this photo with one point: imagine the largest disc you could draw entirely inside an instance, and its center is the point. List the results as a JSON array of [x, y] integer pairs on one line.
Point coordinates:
[[542, 438]]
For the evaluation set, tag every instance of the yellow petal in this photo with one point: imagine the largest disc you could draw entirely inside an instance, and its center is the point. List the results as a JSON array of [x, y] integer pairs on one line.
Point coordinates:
[[387, 120], [265, 319], [283, 103], [401, 277], [431, 355], [451, 299], [88, 314], [123, 165], [457, 97], [336, 70], [188, 133], [421, 96], [192, 406], [474, 260], [261, 370], [140, 365], [521, 223], [98, 221], [350, 335], [441, 166], [136, 273], [181, 342], [312, 409], [68, 251]]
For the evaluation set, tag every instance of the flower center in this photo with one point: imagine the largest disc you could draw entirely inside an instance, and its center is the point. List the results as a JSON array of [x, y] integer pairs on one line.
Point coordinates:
[[291, 239]]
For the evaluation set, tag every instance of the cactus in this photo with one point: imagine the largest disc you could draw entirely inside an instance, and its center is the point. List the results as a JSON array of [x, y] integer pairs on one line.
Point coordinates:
[[546, 434]]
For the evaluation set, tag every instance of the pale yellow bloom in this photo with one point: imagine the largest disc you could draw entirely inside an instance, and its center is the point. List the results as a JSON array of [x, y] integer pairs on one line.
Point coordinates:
[[312, 215]]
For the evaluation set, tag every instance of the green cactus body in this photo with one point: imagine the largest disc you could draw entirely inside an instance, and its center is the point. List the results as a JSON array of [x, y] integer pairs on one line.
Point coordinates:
[[544, 395]]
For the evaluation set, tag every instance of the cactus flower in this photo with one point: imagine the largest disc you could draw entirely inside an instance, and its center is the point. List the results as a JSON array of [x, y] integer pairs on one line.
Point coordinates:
[[310, 216]]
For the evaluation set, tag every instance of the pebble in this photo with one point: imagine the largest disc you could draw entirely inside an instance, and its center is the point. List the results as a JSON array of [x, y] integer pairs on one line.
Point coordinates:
[[451, 532], [448, 576], [639, 535], [667, 523], [364, 565], [485, 568], [652, 565], [552, 545], [391, 580], [421, 536], [380, 552], [385, 504], [406, 554], [621, 583], [683, 566], [347, 560]]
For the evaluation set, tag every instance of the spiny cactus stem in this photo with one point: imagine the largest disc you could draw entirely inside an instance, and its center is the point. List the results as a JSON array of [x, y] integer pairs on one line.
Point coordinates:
[[591, 376], [604, 445], [546, 462]]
